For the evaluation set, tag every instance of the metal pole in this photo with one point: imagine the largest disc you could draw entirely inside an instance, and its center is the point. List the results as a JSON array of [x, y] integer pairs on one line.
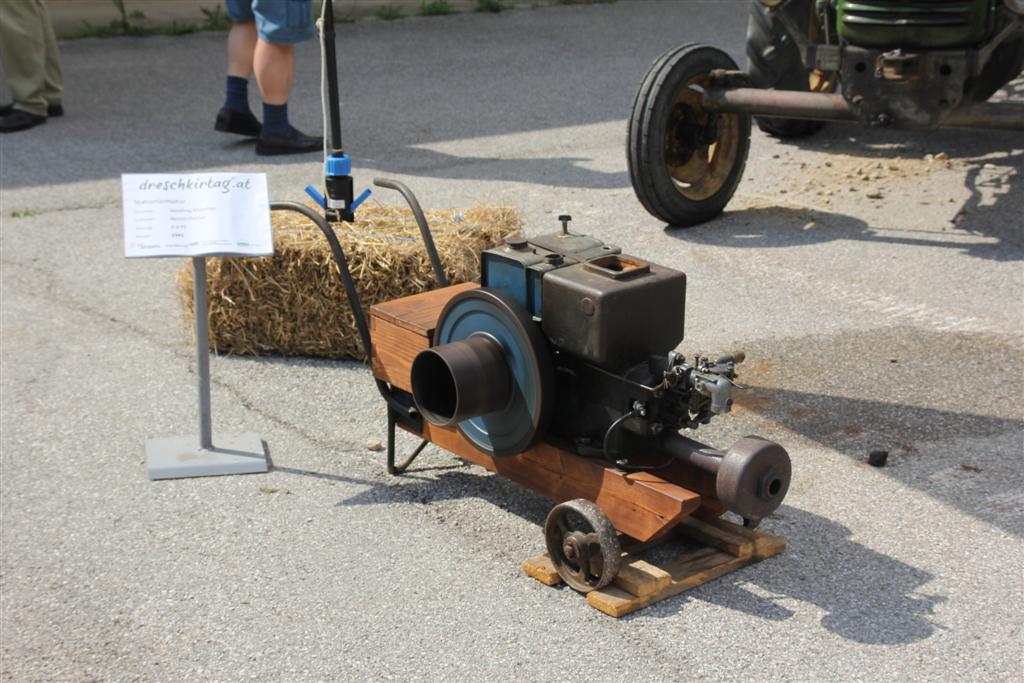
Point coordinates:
[[202, 314], [331, 67]]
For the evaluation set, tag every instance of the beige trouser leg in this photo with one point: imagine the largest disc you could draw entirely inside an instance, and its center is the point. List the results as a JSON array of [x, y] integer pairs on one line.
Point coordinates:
[[28, 48]]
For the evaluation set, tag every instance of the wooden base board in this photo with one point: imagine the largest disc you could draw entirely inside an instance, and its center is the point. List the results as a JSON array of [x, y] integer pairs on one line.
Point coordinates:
[[728, 547]]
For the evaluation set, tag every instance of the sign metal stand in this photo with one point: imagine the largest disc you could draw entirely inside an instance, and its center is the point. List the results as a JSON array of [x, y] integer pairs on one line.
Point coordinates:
[[188, 456]]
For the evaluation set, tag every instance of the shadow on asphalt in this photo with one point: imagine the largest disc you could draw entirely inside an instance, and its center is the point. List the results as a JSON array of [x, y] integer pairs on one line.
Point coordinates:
[[853, 427], [787, 226], [555, 171], [783, 226], [868, 596], [458, 481], [951, 449]]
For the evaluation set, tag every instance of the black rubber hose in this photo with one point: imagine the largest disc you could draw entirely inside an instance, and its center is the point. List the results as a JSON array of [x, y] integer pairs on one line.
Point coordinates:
[[339, 258], [623, 464], [350, 290], [421, 220]]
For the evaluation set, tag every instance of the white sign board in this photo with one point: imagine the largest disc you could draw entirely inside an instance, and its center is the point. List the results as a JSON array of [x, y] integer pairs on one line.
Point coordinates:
[[196, 214]]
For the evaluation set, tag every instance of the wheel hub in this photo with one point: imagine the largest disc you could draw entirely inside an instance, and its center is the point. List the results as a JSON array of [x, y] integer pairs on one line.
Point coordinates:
[[700, 146], [579, 549], [689, 134], [582, 544]]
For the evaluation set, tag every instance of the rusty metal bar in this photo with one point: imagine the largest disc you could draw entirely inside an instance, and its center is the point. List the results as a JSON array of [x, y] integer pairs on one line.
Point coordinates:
[[785, 104], [832, 107], [1000, 115]]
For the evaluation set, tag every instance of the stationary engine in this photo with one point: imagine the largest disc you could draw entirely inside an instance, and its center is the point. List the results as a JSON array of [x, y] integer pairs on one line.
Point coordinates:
[[570, 340]]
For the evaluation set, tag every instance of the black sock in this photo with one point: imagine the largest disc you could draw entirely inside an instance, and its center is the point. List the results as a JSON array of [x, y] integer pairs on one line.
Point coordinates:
[[237, 94], [275, 120]]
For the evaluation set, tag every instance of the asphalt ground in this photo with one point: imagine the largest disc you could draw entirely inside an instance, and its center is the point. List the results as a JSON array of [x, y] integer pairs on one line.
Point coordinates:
[[893, 322]]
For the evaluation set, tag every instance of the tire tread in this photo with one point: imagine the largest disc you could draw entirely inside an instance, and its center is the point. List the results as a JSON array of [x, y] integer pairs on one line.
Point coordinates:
[[642, 171]]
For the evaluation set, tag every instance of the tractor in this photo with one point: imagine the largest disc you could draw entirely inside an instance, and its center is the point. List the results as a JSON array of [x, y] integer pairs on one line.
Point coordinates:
[[903, 64]]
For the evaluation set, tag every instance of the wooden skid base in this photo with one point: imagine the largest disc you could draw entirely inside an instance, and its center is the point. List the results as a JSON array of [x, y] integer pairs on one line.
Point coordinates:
[[728, 547]]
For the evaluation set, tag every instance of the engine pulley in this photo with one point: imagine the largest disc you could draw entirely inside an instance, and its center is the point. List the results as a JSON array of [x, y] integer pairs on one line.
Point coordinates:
[[489, 372]]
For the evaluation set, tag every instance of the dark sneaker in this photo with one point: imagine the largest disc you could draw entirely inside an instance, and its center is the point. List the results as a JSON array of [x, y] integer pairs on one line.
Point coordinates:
[[294, 143], [51, 111], [239, 123], [19, 120]]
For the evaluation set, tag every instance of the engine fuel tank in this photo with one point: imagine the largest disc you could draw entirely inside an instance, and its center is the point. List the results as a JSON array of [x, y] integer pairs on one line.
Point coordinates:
[[615, 310]]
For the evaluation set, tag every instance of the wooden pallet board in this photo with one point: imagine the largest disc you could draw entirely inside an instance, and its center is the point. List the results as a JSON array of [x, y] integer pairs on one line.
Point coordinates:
[[727, 547]]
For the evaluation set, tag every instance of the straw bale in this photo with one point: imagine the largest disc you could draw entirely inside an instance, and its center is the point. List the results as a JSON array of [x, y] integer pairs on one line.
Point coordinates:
[[293, 303]]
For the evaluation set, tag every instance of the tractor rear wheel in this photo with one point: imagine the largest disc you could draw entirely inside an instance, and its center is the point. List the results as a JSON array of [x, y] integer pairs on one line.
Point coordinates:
[[684, 162], [773, 61]]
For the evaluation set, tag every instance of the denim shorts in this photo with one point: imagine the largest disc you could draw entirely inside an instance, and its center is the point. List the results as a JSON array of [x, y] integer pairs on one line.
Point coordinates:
[[282, 22]]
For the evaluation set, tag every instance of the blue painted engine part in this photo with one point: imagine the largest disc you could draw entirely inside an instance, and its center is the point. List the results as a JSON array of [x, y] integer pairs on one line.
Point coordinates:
[[518, 266], [560, 301], [489, 371]]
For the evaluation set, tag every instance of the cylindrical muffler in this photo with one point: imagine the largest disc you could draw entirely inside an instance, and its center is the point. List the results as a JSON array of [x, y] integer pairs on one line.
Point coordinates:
[[751, 478], [461, 380]]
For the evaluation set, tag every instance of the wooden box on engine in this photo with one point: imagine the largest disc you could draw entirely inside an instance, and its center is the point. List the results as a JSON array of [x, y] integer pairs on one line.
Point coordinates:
[[642, 505]]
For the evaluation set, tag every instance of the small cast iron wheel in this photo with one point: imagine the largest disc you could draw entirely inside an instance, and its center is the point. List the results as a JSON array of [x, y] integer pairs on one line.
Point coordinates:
[[582, 544], [773, 61], [684, 161]]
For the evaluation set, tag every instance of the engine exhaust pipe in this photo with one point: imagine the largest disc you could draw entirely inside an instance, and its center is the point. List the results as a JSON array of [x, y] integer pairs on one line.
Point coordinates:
[[751, 478], [461, 380]]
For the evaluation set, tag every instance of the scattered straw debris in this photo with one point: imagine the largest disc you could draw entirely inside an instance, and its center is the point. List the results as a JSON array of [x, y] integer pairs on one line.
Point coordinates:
[[294, 304]]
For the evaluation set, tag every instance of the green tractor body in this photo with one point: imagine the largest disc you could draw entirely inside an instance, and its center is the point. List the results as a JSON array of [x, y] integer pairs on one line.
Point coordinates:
[[900, 63], [924, 24]]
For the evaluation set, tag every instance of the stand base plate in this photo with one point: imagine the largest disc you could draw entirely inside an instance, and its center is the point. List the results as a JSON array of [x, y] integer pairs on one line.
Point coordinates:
[[176, 457]]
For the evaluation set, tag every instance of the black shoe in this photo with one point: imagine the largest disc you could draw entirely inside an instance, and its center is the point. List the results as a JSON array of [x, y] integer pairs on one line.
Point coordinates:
[[19, 120], [51, 111], [239, 123], [294, 143]]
